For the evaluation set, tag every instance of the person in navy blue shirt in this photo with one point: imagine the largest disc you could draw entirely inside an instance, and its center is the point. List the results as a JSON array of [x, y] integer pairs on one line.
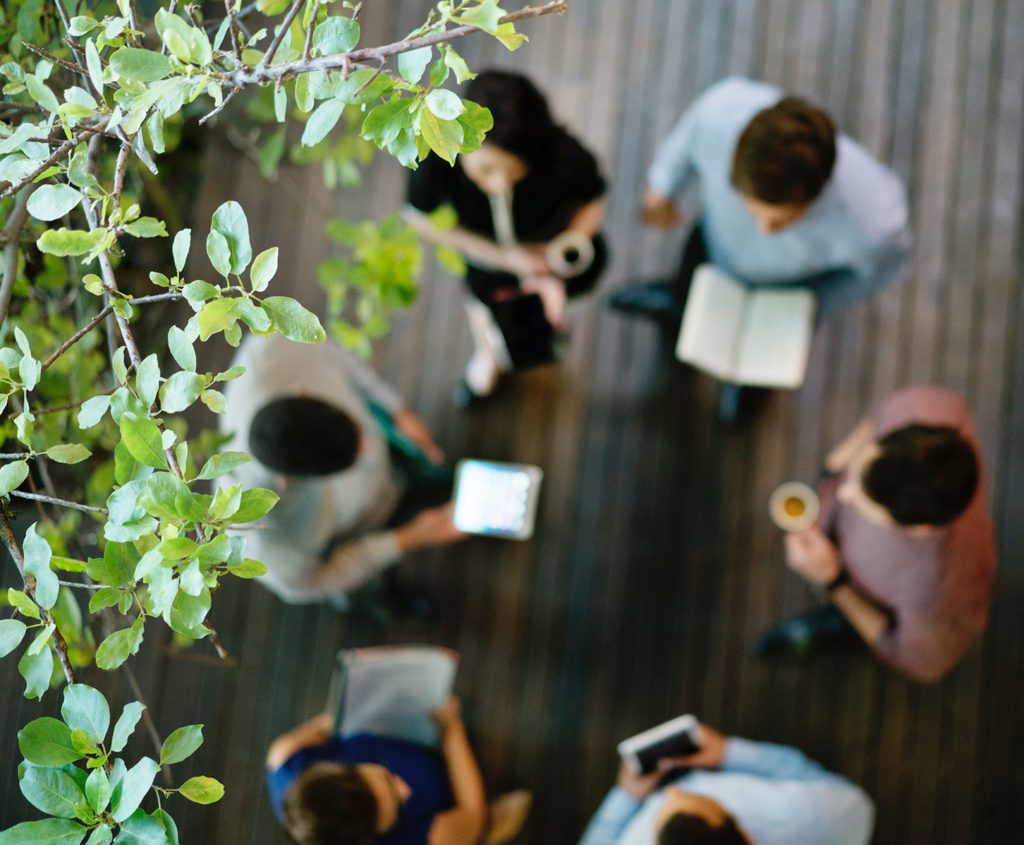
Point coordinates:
[[373, 789]]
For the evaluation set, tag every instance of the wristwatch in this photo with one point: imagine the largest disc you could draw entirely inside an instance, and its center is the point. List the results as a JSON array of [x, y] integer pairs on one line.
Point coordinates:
[[842, 578]]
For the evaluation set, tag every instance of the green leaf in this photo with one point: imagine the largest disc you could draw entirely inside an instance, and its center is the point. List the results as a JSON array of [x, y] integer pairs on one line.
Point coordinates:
[[129, 793], [67, 564], [181, 744], [92, 411], [47, 742], [12, 476], [486, 16], [62, 242], [147, 227], [81, 25], [42, 639], [147, 379], [142, 829], [218, 316], [181, 349], [180, 391], [445, 104], [126, 725], [412, 63], [51, 790], [140, 65], [141, 437], [22, 603], [68, 453], [248, 568], [39, 92], [337, 34], [221, 464], [45, 832], [188, 613], [323, 119], [198, 292], [457, 65], [100, 836], [214, 400], [51, 202], [170, 828], [121, 645], [444, 137], [384, 122], [202, 790], [93, 64], [264, 268], [37, 564], [219, 251], [37, 670], [85, 708], [230, 221], [98, 790], [179, 249], [256, 504], [12, 632], [102, 599], [177, 548], [30, 371], [253, 315], [294, 321]]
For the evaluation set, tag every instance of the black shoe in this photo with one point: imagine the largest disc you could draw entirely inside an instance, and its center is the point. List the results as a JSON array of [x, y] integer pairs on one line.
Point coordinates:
[[405, 602], [464, 398], [806, 635], [654, 300]]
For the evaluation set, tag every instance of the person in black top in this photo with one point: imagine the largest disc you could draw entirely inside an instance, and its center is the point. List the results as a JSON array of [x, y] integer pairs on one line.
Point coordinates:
[[530, 205]]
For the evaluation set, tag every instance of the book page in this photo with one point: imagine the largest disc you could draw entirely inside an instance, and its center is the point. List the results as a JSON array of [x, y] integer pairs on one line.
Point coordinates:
[[393, 692], [711, 322], [776, 337]]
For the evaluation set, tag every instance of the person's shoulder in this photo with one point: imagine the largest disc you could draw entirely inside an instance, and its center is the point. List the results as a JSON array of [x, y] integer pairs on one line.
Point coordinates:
[[873, 196], [922, 404], [736, 98]]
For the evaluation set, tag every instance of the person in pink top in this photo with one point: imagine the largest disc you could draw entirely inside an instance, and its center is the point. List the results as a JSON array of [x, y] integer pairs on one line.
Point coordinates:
[[904, 544]]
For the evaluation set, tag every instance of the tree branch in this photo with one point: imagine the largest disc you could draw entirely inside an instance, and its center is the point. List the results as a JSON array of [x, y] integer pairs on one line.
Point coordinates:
[[264, 73], [38, 497], [77, 336], [233, 30], [12, 232], [61, 152], [286, 24], [39, 51]]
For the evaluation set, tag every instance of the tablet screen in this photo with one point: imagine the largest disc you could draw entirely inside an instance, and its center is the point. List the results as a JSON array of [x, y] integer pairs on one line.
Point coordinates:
[[496, 498]]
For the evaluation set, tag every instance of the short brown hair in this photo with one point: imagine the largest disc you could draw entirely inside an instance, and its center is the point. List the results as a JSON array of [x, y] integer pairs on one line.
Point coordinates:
[[330, 804], [785, 154], [685, 829]]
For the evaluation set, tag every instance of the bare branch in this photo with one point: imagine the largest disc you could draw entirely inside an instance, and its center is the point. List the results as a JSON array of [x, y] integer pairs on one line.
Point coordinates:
[[46, 54], [77, 336], [308, 48], [286, 24], [147, 719], [223, 104], [233, 30], [78, 585], [264, 73], [69, 406], [12, 231], [119, 171], [50, 500], [61, 152]]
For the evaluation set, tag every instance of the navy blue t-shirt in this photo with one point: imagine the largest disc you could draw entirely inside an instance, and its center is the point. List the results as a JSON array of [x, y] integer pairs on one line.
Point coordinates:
[[420, 766]]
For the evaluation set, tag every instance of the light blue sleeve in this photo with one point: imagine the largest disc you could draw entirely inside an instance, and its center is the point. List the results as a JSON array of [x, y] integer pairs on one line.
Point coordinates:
[[611, 818], [673, 168], [779, 762]]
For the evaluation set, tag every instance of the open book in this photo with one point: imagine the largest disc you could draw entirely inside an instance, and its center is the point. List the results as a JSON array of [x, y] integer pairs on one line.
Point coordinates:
[[678, 737], [391, 691], [756, 336]]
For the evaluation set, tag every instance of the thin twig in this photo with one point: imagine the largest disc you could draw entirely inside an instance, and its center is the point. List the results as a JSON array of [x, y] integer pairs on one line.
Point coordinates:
[[61, 152], [78, 585], [70, 406], [119, 171], [46, 54], [308, 48], [233, 30], [77, 336], [147, 719], [50, 500], [286, 24], [223, 104]]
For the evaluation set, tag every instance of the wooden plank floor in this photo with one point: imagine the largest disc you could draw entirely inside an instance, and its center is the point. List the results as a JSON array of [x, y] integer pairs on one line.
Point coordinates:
[[654, 566]]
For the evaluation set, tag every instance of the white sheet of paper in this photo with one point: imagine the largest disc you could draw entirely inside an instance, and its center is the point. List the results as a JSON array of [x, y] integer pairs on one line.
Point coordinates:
[[711, 322], [776, 339], [393, 691]]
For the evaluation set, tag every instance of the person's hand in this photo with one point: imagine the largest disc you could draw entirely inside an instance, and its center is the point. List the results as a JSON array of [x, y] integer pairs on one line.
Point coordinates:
[[524, 260], [639, 786], [712, 750], [448, 714], [429, 528], [812, 555], [551, 291], [660, 212], [412, 427]]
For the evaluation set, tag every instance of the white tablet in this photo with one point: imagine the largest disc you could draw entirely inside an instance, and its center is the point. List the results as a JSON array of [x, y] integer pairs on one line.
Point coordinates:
[[679, 737], [496, 499]]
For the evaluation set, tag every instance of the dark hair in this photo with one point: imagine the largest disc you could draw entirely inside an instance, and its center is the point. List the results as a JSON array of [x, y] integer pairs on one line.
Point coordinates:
[[685, 829], [330, 804], [522, 119], [925, 475], [785, 154], [298, 435]]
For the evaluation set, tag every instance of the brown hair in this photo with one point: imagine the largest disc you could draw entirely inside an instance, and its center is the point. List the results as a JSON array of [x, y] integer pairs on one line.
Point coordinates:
[[785, 154], [330, 804]]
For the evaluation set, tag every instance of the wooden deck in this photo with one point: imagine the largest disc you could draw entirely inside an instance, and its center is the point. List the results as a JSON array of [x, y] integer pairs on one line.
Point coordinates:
[[654, 565]]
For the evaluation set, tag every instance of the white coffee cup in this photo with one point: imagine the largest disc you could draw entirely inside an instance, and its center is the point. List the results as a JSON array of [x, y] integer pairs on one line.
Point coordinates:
[[794, 506]]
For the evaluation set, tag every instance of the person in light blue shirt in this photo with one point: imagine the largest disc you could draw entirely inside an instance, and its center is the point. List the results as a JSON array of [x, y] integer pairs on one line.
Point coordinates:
[[735, 791], [783, 200]]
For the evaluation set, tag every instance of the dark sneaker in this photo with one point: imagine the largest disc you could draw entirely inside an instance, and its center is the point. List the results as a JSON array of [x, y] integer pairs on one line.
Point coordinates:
[[806, 635]]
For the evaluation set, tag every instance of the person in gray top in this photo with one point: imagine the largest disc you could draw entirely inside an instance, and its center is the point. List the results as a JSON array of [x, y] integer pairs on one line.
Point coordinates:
[[309, 417]]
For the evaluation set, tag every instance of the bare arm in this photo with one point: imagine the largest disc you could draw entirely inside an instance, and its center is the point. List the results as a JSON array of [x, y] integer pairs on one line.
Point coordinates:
[[590, 218], [464, 824], [869, 619], [839, 458], [314, 732], [479, 250]]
